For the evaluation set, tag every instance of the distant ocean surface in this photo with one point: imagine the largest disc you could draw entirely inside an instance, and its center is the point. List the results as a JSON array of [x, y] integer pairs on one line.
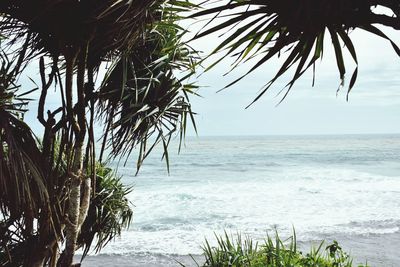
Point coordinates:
[[328, 187]]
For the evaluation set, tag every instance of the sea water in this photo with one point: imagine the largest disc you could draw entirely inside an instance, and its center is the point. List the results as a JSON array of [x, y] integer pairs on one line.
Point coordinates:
[[323, 186]]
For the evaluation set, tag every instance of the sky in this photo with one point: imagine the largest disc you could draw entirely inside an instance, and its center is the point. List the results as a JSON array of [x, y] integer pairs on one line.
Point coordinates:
[[373, 106]]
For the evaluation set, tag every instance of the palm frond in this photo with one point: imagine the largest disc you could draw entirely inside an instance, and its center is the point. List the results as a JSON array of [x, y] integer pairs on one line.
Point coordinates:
[[23, 186], [266, 29], [141, 97], [21, 175], [110, 211], [62, 27]]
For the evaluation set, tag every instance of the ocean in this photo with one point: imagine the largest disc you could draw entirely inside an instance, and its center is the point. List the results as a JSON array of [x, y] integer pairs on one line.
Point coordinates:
[[344, 187]]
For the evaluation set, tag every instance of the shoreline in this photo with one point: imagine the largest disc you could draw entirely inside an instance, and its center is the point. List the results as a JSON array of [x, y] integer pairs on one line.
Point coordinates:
[[378, 250]]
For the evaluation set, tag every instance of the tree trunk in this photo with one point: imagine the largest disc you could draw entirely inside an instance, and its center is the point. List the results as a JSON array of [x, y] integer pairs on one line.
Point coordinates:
[[79, 196], [35, 256], [74, 173], [72, 220]]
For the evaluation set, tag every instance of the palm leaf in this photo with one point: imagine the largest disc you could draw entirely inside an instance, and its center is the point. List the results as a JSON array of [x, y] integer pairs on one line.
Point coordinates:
[[110, 211], [271, 27], [141, 97], [23, 185]]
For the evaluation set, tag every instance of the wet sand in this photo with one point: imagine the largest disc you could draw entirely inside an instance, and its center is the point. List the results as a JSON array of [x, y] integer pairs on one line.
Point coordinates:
[[378, 250]]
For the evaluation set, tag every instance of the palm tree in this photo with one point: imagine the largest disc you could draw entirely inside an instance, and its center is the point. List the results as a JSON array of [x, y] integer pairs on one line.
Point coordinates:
[[23, 191], [140, 96], [263, 29]]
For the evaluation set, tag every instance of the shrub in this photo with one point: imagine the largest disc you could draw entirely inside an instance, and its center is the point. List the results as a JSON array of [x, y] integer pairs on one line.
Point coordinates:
[[274, 252]]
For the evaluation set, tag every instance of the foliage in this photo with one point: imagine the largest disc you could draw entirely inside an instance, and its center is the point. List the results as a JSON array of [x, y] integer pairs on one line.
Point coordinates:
[[46, 186], [52, 28], [274, 252], [153, 100], [110, 211], [22, 184], [260, 30]]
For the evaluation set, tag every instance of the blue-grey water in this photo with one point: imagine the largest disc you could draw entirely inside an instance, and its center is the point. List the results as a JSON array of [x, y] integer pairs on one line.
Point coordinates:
[[343, 187]]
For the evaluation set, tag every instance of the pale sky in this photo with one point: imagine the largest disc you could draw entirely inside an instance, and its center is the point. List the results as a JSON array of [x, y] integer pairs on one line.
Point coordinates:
[[374, 105]]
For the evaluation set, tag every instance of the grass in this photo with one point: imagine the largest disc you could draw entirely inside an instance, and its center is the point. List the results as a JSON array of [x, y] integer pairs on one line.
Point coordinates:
[[273, 252]]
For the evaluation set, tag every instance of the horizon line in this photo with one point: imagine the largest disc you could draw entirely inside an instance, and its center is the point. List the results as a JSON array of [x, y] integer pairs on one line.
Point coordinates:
[[289, 134]]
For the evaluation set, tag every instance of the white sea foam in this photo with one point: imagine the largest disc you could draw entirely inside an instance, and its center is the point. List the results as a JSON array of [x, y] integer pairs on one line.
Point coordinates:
[[321, 186]]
